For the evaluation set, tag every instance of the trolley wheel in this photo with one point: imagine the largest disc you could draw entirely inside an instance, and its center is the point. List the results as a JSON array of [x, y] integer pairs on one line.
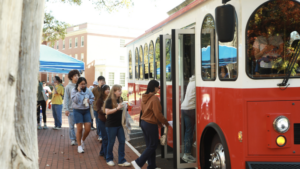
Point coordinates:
[[217, 154]]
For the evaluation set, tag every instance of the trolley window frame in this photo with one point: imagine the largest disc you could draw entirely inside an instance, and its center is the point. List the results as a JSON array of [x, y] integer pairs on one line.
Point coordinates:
[[215, 37]]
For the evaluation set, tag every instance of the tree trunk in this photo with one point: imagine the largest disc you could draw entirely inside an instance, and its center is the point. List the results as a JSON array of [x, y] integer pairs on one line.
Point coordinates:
[[20, 34]]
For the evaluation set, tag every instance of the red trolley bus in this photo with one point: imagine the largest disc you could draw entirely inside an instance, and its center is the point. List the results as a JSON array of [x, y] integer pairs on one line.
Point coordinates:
[[237, 62]]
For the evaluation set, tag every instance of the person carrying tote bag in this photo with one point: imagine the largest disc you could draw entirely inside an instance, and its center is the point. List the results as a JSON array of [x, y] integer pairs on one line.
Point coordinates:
[[151, 118]]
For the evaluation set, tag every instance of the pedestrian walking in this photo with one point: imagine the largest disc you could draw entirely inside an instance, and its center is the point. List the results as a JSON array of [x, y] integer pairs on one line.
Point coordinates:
[[73, 77], [113, 110], [97, 92], [42, 98], [57, 102], [82, 98], [151, 118], [47, 90], [104, 91]]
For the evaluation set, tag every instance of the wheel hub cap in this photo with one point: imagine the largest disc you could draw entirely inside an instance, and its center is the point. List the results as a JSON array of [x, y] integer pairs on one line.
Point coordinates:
[[217, 159]]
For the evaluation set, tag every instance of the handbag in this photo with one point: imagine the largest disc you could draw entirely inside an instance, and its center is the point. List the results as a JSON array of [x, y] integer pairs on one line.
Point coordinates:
[[163, 138]]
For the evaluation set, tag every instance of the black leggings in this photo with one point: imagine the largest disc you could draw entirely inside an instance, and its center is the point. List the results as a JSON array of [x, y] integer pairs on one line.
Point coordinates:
[[43, 104]]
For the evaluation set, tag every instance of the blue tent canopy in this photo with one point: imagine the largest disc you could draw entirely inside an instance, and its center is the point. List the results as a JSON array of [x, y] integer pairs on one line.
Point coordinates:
[[53, 61]]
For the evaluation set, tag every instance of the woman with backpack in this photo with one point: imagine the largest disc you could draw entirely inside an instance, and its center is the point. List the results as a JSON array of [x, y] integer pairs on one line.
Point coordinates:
[[151, 118]]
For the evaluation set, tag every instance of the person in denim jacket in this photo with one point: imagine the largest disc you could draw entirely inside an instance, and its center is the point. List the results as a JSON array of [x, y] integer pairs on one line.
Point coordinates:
[[82, 98]]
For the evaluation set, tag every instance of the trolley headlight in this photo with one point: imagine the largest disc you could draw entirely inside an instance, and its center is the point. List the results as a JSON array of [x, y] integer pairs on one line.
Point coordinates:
[[281, 124]]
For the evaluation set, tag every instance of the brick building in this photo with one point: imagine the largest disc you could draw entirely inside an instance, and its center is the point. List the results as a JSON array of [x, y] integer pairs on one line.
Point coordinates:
[[101, 48]]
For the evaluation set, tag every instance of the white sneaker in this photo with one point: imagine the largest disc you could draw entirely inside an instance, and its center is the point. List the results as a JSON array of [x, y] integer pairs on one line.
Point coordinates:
[[100, 139], [80, 150], [111, 163], [54, 128], [188, 158], [195, 144], [73, 142], [126, 164], [134, 164], [82, 144]]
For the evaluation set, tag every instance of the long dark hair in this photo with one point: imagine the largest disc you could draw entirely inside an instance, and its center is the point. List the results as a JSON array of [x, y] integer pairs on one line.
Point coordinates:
[[103, 89], [57, 78], [151, 86], [78, 82]]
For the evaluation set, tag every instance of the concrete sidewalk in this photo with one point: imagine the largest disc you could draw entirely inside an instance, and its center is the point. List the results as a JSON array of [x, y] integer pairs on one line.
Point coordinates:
[[55, 151]]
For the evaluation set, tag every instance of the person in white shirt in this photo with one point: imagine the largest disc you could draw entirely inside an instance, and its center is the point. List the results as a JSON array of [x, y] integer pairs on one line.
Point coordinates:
[[47, 90], [188, 110]]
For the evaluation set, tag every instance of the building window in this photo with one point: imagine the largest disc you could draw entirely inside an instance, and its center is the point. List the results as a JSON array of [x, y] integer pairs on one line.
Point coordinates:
[[111, 80], [57, 45], [63, 44], [208, 57], [47, 77], [130, 65], [122, 79], [82, 57], [70, 43], [76, 56], [76, 42], [82, 41], [122, 59], [63, 78], [122, 43]]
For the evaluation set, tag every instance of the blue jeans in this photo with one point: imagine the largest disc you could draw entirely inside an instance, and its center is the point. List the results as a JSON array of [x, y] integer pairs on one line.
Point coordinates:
[[97, 123], [103, 151], [151, 137], [71, 126], [189, 123], [56, 112], [112, 133]]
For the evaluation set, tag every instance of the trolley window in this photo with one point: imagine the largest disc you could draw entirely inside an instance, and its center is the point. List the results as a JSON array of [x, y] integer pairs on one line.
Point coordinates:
[[130, 65], [146, 62], [208, 57], [157, 59], [141, 63], [271, 38], [137, 63], [228, 63], [151, 60]]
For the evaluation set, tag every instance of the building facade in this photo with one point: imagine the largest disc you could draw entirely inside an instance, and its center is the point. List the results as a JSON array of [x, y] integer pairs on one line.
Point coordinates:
[[101, 48]]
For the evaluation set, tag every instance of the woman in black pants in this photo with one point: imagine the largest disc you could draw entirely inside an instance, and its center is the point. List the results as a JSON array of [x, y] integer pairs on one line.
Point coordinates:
[[151, 118], [41, 102]]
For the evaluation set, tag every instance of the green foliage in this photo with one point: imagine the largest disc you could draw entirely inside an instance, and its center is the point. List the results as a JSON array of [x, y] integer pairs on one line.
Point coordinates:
[[53, 29]]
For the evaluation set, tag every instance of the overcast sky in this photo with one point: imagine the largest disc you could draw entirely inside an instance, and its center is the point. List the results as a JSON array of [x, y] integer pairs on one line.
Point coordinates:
[[143, 15]]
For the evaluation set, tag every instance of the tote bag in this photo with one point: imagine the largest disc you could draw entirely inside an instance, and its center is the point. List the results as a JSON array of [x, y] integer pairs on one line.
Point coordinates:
[[163, 138]]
